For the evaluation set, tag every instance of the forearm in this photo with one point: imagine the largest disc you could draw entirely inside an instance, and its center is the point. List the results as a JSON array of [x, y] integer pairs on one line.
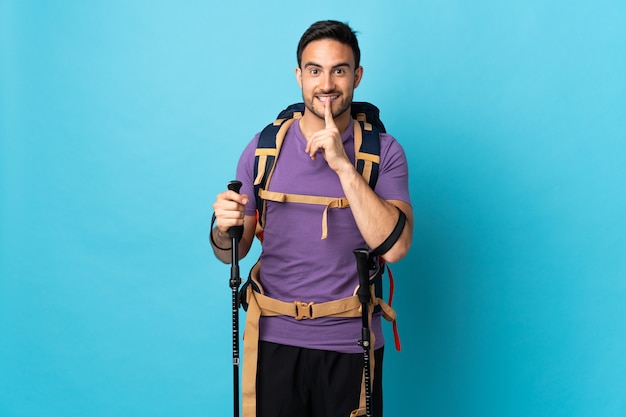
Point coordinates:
[[222, 245], [375, 217], [224, 242]]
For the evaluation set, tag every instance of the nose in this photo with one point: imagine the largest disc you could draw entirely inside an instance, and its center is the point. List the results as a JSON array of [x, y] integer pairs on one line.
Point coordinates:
[[327, 82]]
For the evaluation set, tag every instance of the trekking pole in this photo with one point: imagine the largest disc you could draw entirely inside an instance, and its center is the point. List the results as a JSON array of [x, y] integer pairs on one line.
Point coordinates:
[[235, 234], [362, 267]]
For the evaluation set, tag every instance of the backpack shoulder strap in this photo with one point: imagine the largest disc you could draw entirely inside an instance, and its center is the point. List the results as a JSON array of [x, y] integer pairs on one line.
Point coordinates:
[[367, 140], [367, 151], [268, 149]]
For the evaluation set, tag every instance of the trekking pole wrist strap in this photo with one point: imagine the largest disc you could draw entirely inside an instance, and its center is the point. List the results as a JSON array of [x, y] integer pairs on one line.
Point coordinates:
[[393, 237], [213, 242]]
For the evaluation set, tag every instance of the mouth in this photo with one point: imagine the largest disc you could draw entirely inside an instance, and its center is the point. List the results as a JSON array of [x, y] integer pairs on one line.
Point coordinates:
[[326, 98]]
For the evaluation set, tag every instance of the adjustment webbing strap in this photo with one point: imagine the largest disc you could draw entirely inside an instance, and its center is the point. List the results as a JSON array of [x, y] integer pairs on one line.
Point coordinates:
[[250, 357]]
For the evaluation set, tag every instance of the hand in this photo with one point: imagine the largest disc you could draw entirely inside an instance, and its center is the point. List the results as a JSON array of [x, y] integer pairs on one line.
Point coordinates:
[[229, 210], [328, 141]]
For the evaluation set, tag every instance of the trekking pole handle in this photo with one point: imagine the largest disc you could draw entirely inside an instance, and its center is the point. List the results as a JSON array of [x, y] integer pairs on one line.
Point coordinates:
[[235, 231], [234, 185], [362, 268]]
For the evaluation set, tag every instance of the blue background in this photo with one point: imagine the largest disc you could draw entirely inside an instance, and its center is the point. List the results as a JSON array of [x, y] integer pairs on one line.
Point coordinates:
[[121, 120]]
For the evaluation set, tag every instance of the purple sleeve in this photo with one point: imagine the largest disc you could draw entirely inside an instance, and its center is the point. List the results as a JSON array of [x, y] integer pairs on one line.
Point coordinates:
[[245, 174], [393, 176]]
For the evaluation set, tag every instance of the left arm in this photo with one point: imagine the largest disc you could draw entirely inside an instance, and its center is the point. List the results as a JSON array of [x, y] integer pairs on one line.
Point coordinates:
[[376, 218]]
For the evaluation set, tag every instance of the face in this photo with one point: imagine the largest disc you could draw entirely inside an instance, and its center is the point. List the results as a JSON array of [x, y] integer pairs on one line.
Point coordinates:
[[328, 72]]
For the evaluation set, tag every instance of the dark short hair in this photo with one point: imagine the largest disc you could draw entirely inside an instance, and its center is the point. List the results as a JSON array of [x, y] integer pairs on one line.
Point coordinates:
[[330, 29]]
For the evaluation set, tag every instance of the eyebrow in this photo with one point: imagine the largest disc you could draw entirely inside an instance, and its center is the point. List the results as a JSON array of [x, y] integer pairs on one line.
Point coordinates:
[[314, 64]]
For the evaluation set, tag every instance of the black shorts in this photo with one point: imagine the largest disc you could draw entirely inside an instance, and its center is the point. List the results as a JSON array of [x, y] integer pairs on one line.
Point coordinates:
[[301, 382]]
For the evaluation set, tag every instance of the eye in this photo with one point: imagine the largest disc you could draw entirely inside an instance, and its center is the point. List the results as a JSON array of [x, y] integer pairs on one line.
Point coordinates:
[[340, 71], [314, 71]]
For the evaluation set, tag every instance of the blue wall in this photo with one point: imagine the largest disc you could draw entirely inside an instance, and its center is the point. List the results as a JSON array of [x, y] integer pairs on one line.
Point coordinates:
[[120, 121]]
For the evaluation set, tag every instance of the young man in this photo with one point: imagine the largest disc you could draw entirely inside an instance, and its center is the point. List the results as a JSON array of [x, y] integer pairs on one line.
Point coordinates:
[[314, 367]]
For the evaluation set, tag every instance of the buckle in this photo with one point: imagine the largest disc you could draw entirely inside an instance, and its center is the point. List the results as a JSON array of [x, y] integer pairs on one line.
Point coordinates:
[[303, 310], [342, 203]]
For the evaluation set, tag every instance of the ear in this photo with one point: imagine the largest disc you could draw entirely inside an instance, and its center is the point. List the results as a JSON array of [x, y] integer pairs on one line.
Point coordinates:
[[299, 76], [358, 75]]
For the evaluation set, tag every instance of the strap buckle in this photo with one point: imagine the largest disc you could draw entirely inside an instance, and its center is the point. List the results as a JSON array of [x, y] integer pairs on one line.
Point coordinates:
[[303, 310]]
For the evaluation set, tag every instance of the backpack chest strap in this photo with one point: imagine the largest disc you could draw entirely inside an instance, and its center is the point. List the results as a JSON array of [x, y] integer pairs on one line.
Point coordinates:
[[328, 202]]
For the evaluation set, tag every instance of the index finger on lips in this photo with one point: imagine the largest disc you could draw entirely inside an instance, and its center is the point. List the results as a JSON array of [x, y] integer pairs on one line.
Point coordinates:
[[328, 114]]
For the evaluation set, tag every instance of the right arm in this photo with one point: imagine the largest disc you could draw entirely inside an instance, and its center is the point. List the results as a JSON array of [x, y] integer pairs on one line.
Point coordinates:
[[229, 211]]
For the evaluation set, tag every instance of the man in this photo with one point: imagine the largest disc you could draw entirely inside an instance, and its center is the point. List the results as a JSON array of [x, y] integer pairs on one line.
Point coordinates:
[[314, 367]]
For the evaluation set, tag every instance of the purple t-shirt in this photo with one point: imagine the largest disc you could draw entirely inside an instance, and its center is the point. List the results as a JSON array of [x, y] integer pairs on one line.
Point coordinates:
[[296, 264]]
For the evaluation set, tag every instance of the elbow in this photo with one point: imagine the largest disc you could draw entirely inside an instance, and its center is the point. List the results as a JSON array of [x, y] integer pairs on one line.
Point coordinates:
[[403, 243], [397, 252], [402, 246]]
